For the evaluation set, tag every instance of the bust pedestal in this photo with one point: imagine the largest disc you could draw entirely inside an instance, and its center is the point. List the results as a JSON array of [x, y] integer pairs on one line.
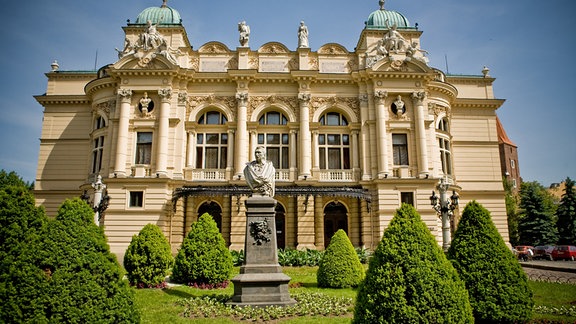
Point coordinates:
[[261, 281]]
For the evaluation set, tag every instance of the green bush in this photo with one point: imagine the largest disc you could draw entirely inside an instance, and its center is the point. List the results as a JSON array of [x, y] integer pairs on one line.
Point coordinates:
[[203, 258], [497, 285], [410, 280], [69, 275], [148, 258], [340, 266], [298, 258], [238, 258]]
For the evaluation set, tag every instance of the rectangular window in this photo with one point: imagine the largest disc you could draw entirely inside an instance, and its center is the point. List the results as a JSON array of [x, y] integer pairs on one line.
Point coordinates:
[[400, 149], [136, 198], [97, 154], [407, 198], [143, 147], [512, 164]]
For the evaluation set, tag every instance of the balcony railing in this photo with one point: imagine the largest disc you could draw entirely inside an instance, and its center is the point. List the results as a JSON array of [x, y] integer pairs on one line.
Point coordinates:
[[209, 175], [337, 175], [282, 175]]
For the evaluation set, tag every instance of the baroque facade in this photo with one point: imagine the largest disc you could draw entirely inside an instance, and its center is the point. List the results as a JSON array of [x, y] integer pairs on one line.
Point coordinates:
[[352, 135]]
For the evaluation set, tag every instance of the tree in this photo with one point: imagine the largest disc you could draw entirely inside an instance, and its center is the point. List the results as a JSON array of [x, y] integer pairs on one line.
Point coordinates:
[[537, 225], [511, 200], [497, 285], [340, 266], [203, 258], [566, 214], [148, 257], [69, 274], [409, 278], [13, 179]]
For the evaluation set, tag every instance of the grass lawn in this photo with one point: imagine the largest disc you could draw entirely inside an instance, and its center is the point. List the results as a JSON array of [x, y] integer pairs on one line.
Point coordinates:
[[166, 305]]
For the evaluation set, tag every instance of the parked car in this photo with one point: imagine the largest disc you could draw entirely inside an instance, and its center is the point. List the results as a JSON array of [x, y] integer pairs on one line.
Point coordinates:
[[522, 251], [543, 252], [564, 252]]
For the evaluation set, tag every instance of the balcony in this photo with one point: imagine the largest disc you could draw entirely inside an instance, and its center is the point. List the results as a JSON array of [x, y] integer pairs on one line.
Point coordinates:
[[336, 175], [282, 175], [207, 175], [141, 171]]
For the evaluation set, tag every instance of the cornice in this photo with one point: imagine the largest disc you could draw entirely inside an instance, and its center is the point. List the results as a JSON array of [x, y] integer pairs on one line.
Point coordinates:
[[478, 103], [62, 99], [443, 88], [99, 84]]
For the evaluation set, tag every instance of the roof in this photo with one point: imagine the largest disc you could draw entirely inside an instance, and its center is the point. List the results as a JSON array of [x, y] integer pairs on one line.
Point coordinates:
[[502, 136], [162, 15]]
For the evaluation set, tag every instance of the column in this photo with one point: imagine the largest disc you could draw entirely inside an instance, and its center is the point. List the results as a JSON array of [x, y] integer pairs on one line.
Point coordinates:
[[253, 145], [381, 134], [354, 149], [316, 159], [241, 151], [163, 127], [305, 138], [365, 138], [418, 100], [293, 155], [230, 155], [190, 151], [123, 123]]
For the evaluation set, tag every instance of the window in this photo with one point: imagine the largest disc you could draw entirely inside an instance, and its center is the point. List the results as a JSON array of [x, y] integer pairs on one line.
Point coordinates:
[[512, 164], [334, 143], [443, 125], [143, 147], [212, 118], [400, 149], [211, 150], [445, 156], [277, 148], [273, 118], [514, 183], [97, 151], [276, 141], [407, 198], [136, 198], [99, 123]]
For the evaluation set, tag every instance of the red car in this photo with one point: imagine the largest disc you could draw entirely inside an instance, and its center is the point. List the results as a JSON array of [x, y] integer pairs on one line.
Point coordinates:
[[543, 252], [564, 252]]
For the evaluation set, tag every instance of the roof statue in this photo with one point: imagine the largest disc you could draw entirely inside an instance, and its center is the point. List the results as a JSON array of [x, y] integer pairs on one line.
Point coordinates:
[[381, 2], [244, 30], [302, 35]]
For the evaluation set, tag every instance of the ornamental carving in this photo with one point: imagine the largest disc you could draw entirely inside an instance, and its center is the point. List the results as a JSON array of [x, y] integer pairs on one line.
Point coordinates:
[[165, 94], [182, 98], [353, 64], [313, 63], [273, 48], [437, 110], [107, 107], [293, 64], [214, 48], [332, 49], [125, 94], [418, 96], [253, 62], [229, 102], [260, 231], [351, 102], [195, 63], [232, 64], [257, 101]]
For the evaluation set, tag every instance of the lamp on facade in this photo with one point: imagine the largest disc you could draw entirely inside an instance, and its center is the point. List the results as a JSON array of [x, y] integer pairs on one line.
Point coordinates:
[[101, 199], [444, 206]]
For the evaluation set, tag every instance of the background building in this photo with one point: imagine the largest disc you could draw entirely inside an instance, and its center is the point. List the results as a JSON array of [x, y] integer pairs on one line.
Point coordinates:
[[352, 134]]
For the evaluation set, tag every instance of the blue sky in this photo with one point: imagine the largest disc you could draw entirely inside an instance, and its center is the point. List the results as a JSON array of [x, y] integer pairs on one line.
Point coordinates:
[[528, 45]]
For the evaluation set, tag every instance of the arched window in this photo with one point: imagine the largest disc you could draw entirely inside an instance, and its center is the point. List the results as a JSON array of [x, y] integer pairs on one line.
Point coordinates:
[[275, 139], [334, 142], [214, 210], [444, 146], [335, 218], [97, 145], [211, 143]]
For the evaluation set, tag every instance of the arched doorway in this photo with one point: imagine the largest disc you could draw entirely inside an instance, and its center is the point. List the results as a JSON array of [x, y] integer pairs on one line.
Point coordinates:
[[280, 226], [214, 210], [335, 218]]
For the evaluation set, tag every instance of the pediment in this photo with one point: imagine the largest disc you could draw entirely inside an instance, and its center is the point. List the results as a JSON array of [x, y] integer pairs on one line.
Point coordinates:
[[273, 48], [409, 65], [332, 49], [214, 48], [154, 61]]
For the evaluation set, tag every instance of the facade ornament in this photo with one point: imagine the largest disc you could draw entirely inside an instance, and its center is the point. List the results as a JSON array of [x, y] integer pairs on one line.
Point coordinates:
[[182, 97], [398, 107], [244, 30], [293, 64], [304, 97], [242, 98], [413, 50], [380, 96], [165, 94], [145, 103], [363, 98], [125, 94], [418, 96], [260, 231], [149, 44], [232, 64], [393, 41], [303, 36]]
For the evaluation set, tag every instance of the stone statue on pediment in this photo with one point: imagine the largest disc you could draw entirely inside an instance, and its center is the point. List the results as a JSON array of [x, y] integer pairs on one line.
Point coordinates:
[[302, 35], [244, 30], [393, 41]]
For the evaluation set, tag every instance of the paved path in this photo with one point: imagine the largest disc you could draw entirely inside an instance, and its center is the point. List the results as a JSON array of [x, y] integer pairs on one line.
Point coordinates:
[[553, 271]]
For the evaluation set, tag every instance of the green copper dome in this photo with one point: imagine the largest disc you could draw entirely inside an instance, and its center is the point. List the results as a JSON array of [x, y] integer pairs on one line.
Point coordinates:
[[378, 18], [163, 15]]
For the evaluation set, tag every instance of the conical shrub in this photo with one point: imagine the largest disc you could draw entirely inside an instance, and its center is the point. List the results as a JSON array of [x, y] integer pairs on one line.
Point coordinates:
[[410, 280], [497, 285], [148, 258], [340, 266], [203, 258]]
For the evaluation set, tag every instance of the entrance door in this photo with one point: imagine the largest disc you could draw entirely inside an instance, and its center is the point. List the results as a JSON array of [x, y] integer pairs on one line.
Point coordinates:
[[335, 218], [214, 210], [280, 226]]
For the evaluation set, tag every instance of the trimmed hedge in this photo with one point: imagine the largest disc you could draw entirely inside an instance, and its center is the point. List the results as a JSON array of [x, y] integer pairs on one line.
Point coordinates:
[[410, 280], [497, 285], [340, 266], [148, 258], [69, 275], [203, 260]]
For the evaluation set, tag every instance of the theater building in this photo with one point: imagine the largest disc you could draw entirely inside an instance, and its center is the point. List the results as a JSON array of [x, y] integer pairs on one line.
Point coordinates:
[[352, 135]]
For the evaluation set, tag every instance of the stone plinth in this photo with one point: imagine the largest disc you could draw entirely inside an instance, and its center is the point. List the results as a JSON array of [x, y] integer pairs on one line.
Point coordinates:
[[261, 281]]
